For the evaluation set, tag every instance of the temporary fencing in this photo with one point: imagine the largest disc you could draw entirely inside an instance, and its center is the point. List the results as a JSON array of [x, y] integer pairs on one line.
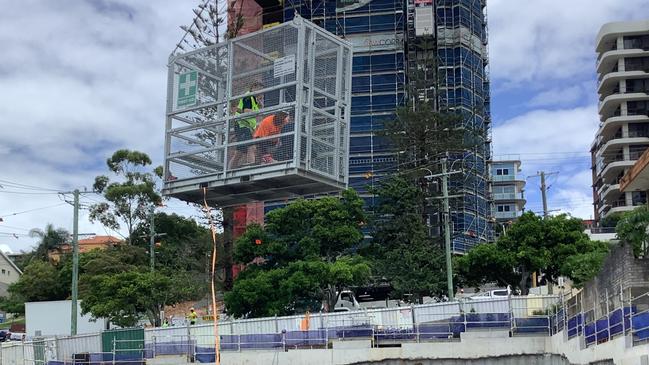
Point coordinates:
[[524, 315]]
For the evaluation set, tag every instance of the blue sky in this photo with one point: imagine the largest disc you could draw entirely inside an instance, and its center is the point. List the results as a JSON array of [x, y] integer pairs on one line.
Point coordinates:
[[77, 74]]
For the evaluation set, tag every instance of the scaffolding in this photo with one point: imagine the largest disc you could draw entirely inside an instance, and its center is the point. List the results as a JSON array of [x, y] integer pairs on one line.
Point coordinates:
[[259, 117], [462, 59], [376, 29]]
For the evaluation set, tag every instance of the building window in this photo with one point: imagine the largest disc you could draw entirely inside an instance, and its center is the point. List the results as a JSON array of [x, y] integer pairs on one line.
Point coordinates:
[[504, 208], [501, 172], [3, 271]]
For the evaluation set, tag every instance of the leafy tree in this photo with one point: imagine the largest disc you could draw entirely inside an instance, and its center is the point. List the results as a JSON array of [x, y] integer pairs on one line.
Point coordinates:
[[300, 258], [555, 246], [124, 297], [128, 200], [39, 282], [51, 239], [401, 249], [632, 230], [184, 247]]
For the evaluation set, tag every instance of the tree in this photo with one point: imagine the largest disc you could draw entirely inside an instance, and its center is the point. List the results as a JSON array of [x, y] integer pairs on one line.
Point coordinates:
[[555, 246], [632, 230], [128, 200], [611, 220], [39, 282], [51, 239], [184, 247], [402, 250], [125, 297], [302, 257]]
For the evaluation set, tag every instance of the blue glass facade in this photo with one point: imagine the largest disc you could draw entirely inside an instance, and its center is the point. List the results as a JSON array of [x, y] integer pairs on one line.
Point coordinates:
[[378, 29]]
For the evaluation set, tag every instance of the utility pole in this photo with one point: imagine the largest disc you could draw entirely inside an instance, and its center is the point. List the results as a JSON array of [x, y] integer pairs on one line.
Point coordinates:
[[152, 236], [447, 232], [544, 190], [152, 239], [75, 264]]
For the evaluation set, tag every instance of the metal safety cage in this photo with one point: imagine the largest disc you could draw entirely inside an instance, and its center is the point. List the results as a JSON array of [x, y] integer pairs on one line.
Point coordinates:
[[259, 117]]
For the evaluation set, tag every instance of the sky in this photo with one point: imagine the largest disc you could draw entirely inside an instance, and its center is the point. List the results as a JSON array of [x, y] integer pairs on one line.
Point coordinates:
[[76, 75]]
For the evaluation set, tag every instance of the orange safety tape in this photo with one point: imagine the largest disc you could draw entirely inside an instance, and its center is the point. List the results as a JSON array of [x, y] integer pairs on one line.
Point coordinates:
[[217, 353]]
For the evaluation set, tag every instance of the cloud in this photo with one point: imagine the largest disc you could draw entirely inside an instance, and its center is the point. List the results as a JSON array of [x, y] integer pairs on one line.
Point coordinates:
[[557, 142], [558, 97], [539, 42], [80, 79]]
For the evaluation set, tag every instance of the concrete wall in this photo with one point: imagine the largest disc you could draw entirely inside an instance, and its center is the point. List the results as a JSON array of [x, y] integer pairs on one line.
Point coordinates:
[[620, 270], [618, 351]]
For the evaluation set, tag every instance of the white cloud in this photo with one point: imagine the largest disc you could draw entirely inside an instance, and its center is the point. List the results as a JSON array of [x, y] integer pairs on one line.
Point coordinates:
[[79, 79], [547, 40], [558, 97]]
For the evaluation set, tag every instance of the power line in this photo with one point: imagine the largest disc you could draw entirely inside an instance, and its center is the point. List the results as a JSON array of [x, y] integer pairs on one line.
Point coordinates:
[[25, 186], [31, 210]]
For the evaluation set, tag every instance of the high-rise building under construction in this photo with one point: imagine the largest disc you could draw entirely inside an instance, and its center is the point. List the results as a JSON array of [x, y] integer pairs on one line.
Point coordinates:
[[385, 35]]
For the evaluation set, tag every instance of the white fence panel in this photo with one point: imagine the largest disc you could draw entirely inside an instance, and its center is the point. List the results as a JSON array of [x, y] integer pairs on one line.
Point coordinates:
[[66, 347], [436, 312], [486, 306], [395, 318], [13, 354], [254, 326]]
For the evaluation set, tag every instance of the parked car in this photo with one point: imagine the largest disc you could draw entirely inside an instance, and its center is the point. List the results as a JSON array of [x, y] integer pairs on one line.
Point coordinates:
[[4, 335], [496, 293]]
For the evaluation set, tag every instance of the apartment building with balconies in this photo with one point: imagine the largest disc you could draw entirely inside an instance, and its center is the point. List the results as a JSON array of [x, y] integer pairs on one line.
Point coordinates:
[[507, 190], [623, 135]]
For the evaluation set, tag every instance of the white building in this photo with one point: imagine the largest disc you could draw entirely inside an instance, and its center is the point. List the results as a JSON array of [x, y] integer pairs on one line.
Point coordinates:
[[623, 88]]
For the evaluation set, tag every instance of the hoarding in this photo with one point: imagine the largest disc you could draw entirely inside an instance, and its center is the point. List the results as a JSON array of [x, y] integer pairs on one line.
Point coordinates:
[[376, 42]]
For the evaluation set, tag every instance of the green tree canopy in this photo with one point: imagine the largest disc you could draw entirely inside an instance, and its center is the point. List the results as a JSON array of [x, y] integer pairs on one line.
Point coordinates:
[[401, 249], [555, 246], [124, 297], [632, 230], [300, 258], [185, 246], [128, 200]]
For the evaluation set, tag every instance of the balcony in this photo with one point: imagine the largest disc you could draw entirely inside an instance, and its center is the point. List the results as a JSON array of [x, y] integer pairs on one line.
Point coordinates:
[[613, 169], [609, 59], [612, 124], [616, 144], [507, 215], [611, 192], [507, 196], [612, 79], [610, 103]]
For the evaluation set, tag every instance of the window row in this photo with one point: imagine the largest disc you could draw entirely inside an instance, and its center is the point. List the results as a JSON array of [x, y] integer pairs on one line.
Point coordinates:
[[369, 123], [459, 16], [378, 83], [376, 103], [378, 63], [460, 56], [637, 41], [369, 144]]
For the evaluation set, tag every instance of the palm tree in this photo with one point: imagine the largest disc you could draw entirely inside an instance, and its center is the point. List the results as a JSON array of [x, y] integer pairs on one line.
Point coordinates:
[[50, 239]]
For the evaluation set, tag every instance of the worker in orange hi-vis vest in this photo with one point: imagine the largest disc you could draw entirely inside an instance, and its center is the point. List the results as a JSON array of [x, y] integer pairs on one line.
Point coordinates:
[[304, 324]]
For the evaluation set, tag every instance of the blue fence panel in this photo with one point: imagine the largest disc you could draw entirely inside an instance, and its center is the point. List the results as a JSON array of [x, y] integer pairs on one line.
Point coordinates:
[[616, 322], [640, 326], [435, 331], [589, 331], [349, 332], [601, 330], [532, 325], [306, 338], [575, 325], [487, 320]]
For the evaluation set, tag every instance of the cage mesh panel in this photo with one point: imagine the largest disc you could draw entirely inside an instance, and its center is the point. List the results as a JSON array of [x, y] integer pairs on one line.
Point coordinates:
[[207, 136]]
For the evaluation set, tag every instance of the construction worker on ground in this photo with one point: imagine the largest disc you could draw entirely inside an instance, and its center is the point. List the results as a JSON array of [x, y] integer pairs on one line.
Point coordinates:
[[245, 128], [192, 316]]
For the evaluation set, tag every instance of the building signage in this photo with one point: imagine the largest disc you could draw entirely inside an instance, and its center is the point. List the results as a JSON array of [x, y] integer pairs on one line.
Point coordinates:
[[284, 66], [376, 42], [187, 85], [423, 2], [347, 5]]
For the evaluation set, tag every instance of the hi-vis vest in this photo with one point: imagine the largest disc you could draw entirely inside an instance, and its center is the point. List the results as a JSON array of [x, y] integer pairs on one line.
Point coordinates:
[[250, 122]]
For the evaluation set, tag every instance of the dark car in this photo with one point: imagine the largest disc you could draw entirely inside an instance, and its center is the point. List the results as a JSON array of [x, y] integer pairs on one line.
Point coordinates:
[[4, 335]]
